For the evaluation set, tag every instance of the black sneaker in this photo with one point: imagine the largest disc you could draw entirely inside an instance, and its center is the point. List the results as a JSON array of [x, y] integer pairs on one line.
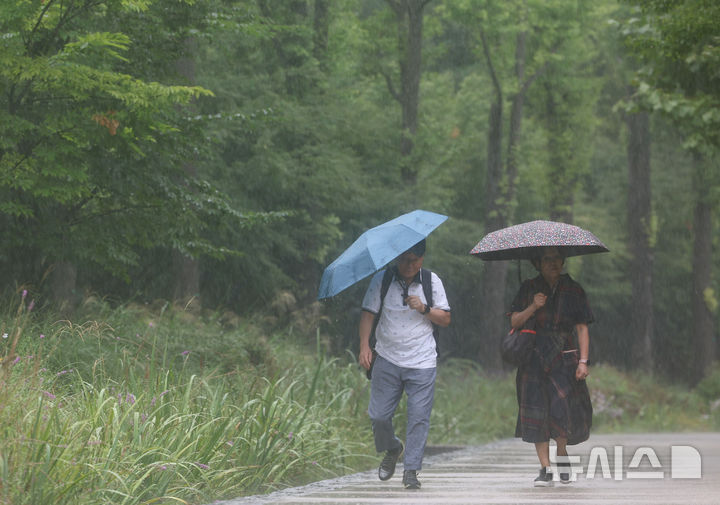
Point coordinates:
[[387, 465], [564, 472], [410, 480], [545, 479]]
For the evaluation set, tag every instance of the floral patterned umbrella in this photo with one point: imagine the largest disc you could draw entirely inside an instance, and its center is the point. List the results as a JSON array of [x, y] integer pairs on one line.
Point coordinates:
[[522, 241]]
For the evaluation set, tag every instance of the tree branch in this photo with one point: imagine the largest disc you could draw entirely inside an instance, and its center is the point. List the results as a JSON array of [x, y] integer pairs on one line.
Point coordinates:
[[395, 6], [539, 72], [491, 67]]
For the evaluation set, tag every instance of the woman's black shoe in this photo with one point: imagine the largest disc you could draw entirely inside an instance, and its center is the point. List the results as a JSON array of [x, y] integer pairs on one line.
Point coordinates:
[[564, 472], [545, 479]]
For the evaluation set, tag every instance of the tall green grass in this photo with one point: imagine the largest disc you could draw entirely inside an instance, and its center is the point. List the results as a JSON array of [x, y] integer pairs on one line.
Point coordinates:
[[143, 408], [153, 404]]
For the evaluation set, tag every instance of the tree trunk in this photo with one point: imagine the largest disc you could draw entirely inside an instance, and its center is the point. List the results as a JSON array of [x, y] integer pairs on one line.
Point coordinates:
[[516, 114], [187, 279], [409, 15], [704, 326], [321, 25], [562, 176], [500, 192], [187, 269], [640, 232], [62, 282], [492, 289]]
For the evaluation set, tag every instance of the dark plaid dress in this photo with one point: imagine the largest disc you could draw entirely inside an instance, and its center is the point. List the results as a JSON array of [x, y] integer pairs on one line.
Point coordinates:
[[552, 403]]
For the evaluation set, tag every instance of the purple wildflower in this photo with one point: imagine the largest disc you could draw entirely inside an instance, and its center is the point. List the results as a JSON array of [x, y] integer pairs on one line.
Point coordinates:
[[42, 336], [31, 306], [185, 353], [202, 466], [24, 293], [49, 395], [130, 398]]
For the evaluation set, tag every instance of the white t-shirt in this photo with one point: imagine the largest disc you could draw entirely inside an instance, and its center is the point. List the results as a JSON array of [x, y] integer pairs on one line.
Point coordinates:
[[404, 336]]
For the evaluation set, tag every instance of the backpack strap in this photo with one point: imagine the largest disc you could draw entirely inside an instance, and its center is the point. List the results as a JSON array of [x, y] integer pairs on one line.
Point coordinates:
[[426, 278], [386, 281]]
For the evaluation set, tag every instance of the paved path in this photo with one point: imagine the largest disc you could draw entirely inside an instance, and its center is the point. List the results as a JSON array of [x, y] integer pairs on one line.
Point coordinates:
[[502, 473]]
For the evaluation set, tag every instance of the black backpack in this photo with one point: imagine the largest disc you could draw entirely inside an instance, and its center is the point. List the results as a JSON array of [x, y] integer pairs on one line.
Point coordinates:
[[426, 278]]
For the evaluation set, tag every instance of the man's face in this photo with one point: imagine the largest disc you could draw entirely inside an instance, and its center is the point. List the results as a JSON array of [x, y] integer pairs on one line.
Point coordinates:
[[409, 265]]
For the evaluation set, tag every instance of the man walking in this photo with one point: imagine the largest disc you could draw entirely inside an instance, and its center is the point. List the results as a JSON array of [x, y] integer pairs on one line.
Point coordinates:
[[404, 358]]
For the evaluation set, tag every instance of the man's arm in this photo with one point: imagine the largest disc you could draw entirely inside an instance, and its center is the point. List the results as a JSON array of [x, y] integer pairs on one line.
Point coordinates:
[[437, 316], [364, 328]]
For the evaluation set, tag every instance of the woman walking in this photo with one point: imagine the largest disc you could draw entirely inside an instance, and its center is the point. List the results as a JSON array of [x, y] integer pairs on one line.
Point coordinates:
[[553, 398]]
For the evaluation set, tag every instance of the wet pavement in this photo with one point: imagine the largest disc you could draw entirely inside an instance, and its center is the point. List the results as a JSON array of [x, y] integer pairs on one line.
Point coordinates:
[[612, 469]]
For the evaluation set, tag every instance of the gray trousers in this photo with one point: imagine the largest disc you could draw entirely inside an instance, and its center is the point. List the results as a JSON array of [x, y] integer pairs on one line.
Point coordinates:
[[386, 389]]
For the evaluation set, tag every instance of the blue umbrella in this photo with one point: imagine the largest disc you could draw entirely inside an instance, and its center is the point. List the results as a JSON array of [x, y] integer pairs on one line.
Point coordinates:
[[376, 248]]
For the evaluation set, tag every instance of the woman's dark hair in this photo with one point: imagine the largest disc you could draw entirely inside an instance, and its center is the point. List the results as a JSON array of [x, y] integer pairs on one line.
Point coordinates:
[[418, 249]]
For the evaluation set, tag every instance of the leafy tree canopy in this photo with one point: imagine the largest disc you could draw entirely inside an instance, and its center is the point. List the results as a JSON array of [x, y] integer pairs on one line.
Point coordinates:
[[92, 147]]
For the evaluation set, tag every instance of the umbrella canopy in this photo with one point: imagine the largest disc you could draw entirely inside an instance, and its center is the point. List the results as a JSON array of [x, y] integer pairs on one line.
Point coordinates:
[[376, 248], [522, 241]]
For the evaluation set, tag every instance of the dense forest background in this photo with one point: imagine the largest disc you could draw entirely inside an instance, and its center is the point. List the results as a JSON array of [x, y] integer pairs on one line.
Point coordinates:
[[221, 153]]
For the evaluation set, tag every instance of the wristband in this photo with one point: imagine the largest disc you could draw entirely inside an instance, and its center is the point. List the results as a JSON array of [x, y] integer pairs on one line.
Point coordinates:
[[583, 361], [427, 310]]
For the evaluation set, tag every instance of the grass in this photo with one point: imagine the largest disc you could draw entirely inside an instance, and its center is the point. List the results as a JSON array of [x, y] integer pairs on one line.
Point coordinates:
[[155, 405]]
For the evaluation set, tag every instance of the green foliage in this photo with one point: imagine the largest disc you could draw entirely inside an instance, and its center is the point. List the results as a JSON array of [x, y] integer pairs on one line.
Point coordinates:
[[90, 150], [678, 45], [142, 404], [634, 402], [113, 410], [133, 130], [709, 387]]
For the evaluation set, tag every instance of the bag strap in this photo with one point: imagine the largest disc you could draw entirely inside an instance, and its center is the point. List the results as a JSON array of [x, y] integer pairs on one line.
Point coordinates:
[[426, 277], [386, 281]]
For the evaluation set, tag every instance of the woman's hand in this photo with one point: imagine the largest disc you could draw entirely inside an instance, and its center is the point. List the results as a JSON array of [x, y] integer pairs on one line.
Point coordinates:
[[539, 300], [581, 372]]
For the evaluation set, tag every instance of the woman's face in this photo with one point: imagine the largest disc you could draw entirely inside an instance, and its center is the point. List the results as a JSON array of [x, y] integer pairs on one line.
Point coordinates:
[[551, 264]]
